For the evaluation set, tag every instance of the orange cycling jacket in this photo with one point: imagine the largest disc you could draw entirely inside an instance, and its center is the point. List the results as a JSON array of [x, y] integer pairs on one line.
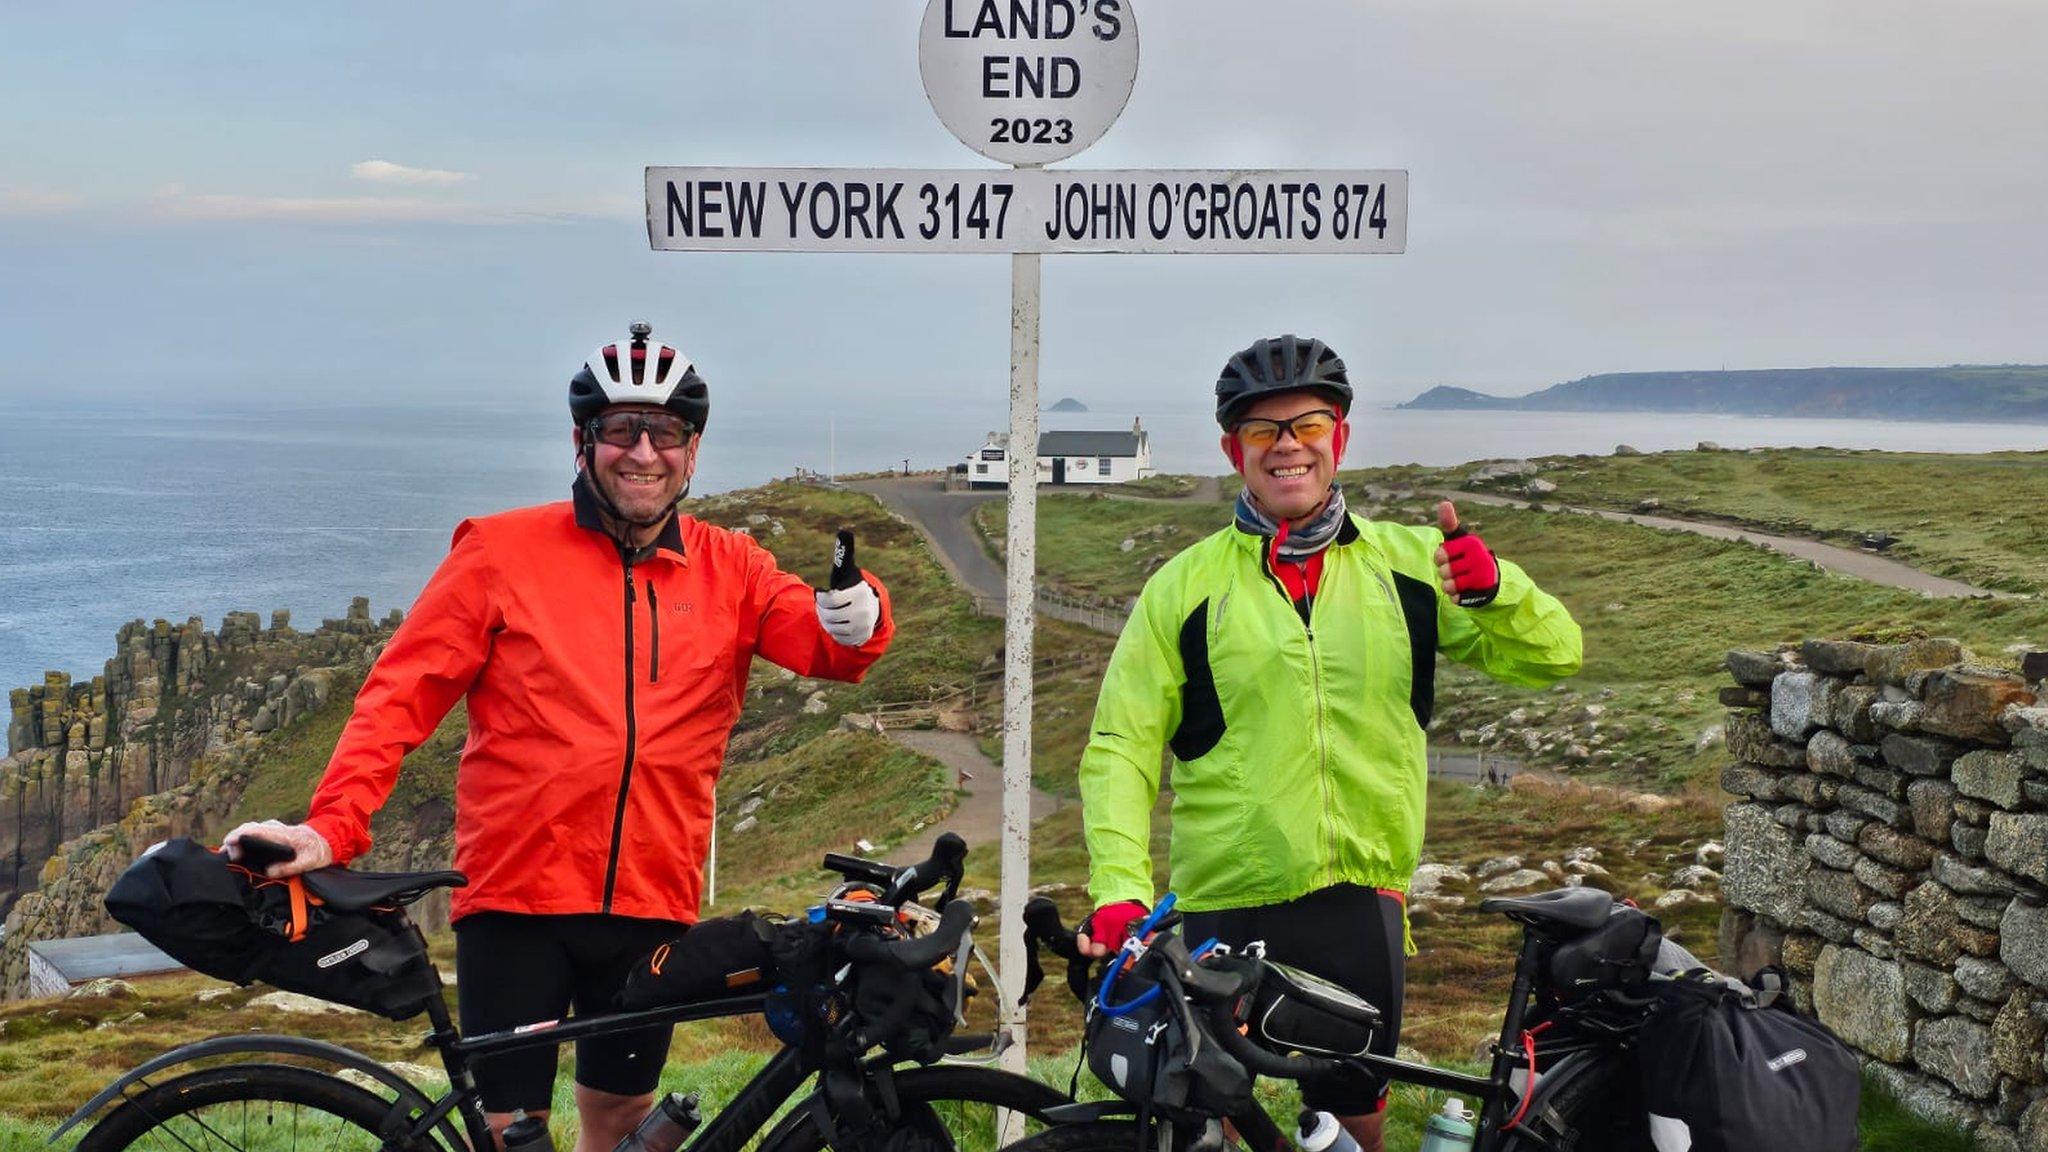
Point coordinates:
[[603, 686]]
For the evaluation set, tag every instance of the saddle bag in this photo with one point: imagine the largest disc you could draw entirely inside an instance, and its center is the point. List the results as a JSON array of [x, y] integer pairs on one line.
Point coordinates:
[[226, 921], [1617, 955]]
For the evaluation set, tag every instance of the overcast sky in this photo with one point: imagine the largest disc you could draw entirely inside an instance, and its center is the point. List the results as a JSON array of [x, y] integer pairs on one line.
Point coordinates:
[[444, 200]]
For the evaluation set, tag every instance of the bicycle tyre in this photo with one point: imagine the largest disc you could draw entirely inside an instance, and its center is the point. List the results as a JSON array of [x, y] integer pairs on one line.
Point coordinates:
[[951, 1106], [248, 1108], [1088, 1136], [1598, 1109]]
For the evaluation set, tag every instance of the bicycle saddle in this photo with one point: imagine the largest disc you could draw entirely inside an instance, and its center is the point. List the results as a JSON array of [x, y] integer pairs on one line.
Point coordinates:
[[1576, 908], [348, 891]]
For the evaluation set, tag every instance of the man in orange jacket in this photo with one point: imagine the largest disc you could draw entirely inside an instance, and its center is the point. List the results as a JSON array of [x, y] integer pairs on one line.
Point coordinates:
[[603, 644]]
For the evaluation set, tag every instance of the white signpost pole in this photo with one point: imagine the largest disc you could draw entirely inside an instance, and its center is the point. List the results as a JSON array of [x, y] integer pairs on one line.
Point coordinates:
[[1027, 85], [1019, 615]]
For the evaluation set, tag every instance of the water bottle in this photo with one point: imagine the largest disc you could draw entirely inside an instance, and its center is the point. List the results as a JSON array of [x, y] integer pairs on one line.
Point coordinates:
[[666, 1126], [1320, 1132], [1450, 1130], [528, 1134]]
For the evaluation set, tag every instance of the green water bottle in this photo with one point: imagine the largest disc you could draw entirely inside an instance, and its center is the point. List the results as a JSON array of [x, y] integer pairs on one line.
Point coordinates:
[[1450, 1130]]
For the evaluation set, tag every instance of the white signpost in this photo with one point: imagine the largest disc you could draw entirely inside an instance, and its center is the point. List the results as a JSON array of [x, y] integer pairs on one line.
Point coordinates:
[[1026, 82]]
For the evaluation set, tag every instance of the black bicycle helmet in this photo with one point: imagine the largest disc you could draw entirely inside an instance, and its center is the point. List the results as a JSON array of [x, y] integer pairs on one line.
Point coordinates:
[[641, 372], [1275, 365]]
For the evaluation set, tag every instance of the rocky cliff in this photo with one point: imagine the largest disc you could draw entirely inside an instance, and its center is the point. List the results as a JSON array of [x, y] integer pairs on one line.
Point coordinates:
[[159, 745]]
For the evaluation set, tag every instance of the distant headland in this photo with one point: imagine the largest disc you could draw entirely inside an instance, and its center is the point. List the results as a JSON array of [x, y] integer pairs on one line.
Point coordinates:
[[1973, 392]]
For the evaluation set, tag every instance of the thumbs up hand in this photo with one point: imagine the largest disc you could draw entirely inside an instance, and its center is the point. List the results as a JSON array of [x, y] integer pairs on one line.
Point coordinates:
[[1465, 567], [848, 609]]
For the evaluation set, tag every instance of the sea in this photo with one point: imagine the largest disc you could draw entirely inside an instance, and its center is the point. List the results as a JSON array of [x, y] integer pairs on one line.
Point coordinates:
[[113, 511]]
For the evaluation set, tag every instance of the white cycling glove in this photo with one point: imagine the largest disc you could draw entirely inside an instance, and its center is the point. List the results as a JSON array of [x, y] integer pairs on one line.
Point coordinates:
[[850, 614]]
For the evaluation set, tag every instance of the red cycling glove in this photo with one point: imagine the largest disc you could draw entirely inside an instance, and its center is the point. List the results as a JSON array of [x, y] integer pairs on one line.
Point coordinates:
[[1473, 569], [1110, 923]]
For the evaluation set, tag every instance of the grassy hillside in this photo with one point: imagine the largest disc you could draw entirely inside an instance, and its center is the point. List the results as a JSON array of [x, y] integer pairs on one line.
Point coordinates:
[[1983, 519], [1659, 610]]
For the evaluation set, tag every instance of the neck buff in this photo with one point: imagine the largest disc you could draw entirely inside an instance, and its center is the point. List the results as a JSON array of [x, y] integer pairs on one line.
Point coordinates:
[[1293, 543]]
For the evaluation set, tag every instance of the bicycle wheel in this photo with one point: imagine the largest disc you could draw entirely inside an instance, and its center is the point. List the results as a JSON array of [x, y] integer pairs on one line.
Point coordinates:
[[947, 1108], [247, 1108], [1598, 1108]]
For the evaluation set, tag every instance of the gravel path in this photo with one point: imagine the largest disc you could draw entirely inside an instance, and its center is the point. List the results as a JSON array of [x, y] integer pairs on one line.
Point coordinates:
[[1848, 561]]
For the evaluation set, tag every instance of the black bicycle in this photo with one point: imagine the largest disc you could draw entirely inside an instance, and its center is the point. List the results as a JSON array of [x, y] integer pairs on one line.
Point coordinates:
[[1179, 1032], [268, 1098]]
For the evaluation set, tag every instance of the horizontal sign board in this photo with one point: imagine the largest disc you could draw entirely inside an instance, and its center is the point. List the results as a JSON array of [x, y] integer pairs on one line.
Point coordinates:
[[1026, 210]]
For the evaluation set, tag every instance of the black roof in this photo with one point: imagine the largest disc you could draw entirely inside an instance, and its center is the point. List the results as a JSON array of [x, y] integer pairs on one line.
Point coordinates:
[[1088, 443]]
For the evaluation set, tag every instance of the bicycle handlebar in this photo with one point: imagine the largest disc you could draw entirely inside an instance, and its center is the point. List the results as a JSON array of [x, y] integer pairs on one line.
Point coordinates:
[[1214, 990], [922, 952], [945, 863], [1042, 925], [900, 884]]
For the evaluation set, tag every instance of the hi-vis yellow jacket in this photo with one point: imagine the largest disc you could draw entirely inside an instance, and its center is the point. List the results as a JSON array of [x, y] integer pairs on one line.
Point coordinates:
[[1299, 744]]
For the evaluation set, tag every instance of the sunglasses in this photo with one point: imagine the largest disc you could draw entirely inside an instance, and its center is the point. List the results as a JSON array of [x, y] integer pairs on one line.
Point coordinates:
[[1308, 428], [623, 429]]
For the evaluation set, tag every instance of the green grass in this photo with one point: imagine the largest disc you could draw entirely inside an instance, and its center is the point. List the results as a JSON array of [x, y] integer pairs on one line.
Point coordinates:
[[1659, 611], [1981, 518], [1170, 485]]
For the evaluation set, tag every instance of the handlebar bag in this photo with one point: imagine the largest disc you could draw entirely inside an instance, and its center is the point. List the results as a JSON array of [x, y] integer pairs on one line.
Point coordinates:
[[725, 956], [1146, 1057], [908, 1012], [1297, 1011], [1617, 955], [225, 921], [1725, 1072]]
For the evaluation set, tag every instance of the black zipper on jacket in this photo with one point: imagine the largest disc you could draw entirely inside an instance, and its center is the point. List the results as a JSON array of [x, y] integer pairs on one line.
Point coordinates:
[[611, 866], [654, 649]]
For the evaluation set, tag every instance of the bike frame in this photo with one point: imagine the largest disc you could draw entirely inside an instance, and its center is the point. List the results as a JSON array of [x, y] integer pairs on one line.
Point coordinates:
[[1494, 1090], [727, 1131]]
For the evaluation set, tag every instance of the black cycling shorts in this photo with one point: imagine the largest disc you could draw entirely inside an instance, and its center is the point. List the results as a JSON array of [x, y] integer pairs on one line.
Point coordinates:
[[513, 969], [1346, 934]]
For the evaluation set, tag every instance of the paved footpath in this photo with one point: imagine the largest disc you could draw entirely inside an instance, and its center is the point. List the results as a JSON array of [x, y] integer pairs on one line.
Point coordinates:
[[978, 817]]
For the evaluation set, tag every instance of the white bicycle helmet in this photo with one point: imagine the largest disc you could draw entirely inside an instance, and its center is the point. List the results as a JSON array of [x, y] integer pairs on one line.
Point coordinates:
[[641, 372]]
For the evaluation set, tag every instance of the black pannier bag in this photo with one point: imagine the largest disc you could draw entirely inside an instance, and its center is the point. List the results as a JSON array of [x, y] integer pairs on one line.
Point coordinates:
[[726, 956], [1296, 1011], [1617, 955], [1726, 1070], [225, 921]]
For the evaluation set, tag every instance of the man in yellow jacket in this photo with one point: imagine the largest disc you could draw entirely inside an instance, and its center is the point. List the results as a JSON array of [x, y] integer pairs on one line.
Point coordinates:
[[1289, 663]]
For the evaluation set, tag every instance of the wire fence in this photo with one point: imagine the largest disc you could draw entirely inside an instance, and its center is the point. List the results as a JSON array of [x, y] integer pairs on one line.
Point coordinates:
[[1096, 617]]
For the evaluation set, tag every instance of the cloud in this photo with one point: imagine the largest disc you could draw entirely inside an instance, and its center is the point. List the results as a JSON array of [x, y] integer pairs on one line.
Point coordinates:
[[385, 172], [173, 203], [327, 209], [36, 202]]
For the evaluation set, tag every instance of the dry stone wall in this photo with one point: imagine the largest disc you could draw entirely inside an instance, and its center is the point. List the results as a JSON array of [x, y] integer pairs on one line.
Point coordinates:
[[1889, 847]]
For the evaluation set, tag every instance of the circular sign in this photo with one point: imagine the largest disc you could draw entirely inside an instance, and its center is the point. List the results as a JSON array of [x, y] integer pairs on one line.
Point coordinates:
[[1028, 81]]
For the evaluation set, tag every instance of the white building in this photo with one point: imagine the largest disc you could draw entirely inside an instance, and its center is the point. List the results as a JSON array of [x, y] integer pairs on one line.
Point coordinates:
[[1068, 458]]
